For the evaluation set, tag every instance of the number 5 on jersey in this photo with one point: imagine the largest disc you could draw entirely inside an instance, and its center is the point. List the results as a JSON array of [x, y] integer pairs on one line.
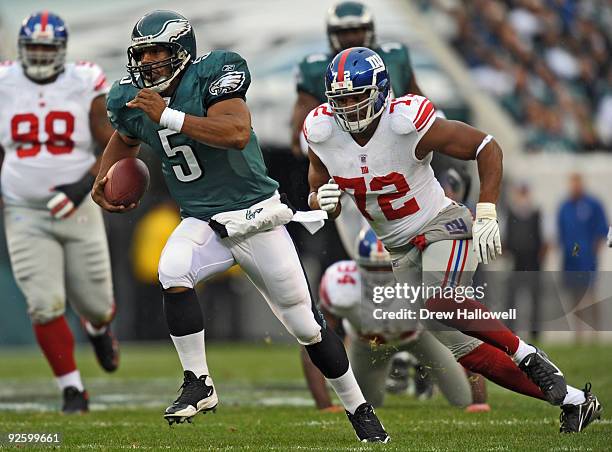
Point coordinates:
[[193, 166]]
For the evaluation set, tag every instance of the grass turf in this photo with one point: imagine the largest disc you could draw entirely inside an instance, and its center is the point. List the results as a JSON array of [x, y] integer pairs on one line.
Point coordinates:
[[264, 406]]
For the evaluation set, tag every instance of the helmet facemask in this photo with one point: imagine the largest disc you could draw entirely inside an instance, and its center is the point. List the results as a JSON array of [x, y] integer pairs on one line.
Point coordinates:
[[42, 60], [356, 118], [151, 74]]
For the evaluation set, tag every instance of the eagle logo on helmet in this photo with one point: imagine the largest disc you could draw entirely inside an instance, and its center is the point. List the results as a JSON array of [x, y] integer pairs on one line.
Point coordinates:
[[227, 83], [171, 31]]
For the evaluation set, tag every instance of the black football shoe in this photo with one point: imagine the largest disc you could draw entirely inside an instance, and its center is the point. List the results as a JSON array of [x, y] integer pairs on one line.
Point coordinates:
[[367, 426], [398, 380], [575, 418], [75, 401], [198, 395], [540, 369], [106, 348], [423, 383]]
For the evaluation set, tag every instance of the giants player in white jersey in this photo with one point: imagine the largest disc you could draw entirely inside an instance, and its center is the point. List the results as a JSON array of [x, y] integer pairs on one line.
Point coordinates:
[[347, 297], [378, 151], [52, 118]]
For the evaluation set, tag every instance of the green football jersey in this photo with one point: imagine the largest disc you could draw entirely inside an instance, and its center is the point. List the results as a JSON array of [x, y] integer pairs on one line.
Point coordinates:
[[202, 179], [311, 70]]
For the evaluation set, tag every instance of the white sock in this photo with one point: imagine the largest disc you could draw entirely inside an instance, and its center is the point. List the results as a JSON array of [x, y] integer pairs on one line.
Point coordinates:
[[348, 390], [92, 331], [70, 379], [574, 396], [191, 352], [522, 351]]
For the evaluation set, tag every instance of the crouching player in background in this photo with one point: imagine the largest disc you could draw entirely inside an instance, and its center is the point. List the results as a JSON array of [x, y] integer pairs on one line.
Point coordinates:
[[52, 118], [349, 297]]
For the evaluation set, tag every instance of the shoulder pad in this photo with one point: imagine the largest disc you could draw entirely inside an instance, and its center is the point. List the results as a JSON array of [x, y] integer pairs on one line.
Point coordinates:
[[318, 125], [340, 287], [217, 61], [91, 75], [316, 58], [388, 47], [120, 93], [6, 66], [410, 113]]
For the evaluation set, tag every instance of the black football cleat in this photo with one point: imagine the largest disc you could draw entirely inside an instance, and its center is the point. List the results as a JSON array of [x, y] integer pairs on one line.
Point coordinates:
[[575, 418], [106, 348], [198, 395], [367, 426], [540, 369], [75, 401], [423, 383], [398, 380]]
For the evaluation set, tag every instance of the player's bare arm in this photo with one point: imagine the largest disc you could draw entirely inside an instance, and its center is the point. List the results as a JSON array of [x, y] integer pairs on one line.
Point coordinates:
[[100, 126], [304, 104], [464, 142], [118, 147], [226, 126], [324, 193]]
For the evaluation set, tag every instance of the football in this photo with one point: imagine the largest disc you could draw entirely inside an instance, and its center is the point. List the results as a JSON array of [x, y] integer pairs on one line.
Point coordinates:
[[128, 180]]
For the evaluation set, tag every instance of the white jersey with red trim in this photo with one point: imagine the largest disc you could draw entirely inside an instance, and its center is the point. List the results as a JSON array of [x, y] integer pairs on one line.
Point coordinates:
[[397, 193], [347, 293], [45, 131]]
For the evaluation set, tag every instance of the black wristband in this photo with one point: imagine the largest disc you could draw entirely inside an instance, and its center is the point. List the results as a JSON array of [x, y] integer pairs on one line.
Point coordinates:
[[77, 191]]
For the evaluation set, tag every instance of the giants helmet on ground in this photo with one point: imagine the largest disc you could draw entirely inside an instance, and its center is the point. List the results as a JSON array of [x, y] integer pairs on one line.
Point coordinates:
[[352, 72], [166, 29], [349, 16], [370, 252], [42, 45]]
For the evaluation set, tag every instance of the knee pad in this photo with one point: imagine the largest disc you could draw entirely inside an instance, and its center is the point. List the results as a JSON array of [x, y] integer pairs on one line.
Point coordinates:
[[45, 310], [300, 322], [98, 314], [175, 263]]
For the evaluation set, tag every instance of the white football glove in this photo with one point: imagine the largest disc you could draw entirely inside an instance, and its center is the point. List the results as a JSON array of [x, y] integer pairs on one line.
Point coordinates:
[[328, 196], [485, 233], [610, 237], [61, 206]]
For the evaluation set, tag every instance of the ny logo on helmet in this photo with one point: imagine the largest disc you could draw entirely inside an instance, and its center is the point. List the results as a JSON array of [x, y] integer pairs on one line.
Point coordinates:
[[377, 64], [228, 83]]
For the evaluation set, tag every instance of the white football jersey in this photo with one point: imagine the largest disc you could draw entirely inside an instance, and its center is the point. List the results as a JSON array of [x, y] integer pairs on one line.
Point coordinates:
[[397, 193], [347, 293], [44, 130]]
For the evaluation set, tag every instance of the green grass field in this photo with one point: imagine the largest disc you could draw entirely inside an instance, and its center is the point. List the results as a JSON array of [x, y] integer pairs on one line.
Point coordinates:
[[264, 405]]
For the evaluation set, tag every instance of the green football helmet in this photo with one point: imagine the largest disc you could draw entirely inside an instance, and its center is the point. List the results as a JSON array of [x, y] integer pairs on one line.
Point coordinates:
[[349, 16], [165, 29]]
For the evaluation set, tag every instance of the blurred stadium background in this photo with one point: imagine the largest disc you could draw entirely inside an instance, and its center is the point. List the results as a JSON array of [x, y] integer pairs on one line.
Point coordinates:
[[536, 74]]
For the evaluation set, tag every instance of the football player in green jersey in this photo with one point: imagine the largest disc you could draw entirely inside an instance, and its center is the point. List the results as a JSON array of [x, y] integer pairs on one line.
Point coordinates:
[[192, 112]]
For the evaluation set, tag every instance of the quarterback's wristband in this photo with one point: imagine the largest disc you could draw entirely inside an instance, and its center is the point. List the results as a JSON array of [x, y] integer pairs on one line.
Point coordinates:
[[172, 119]]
